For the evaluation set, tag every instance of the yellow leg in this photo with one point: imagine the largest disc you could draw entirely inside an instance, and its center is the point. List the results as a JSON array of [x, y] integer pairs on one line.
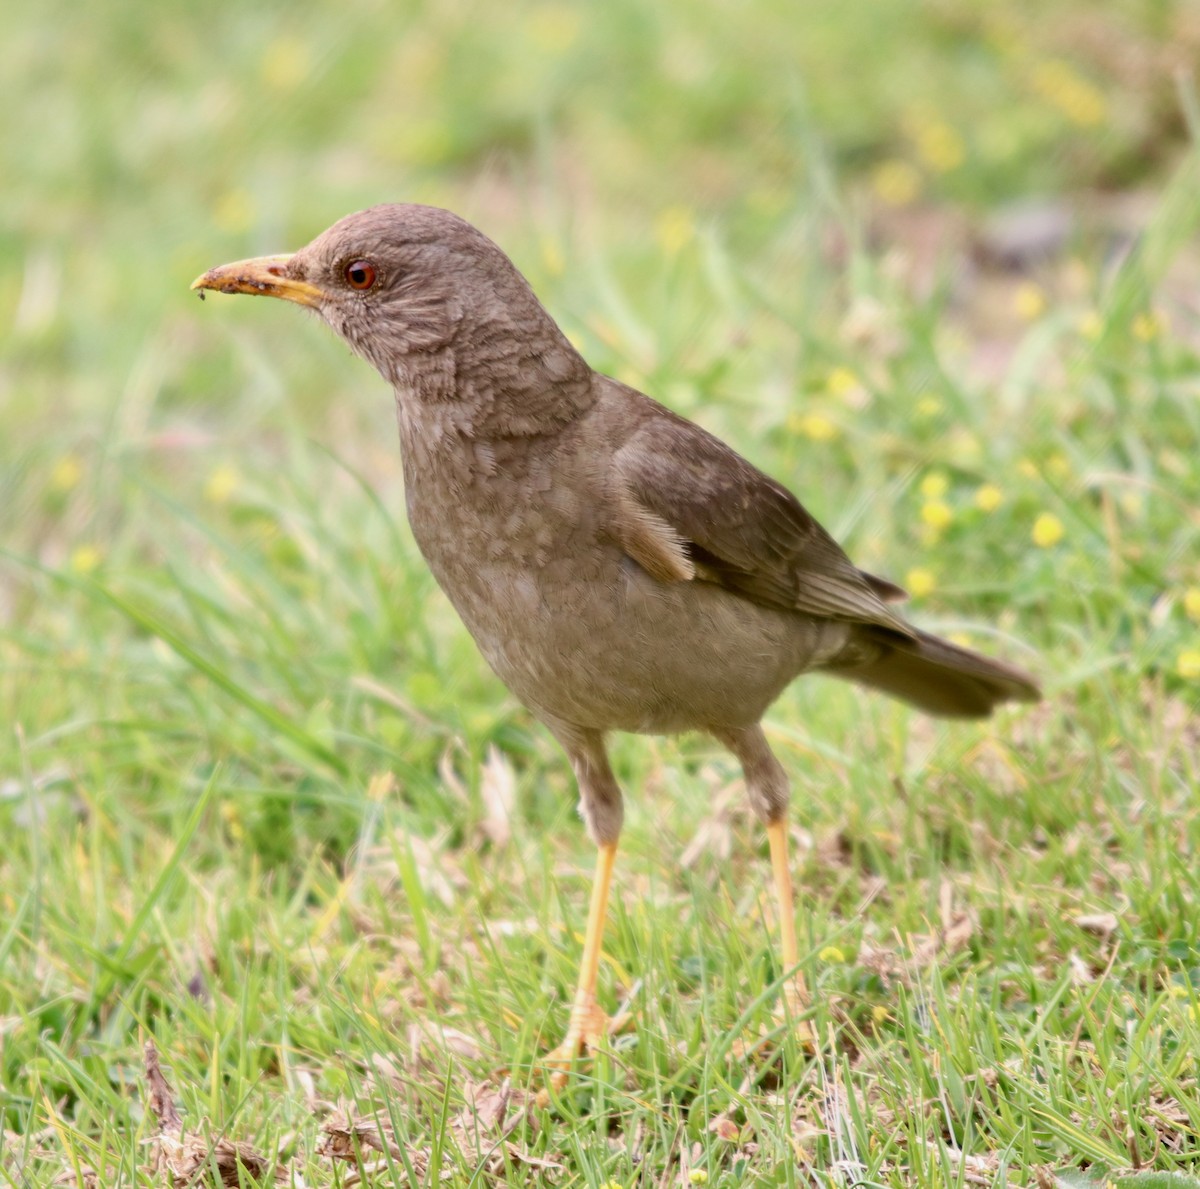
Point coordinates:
[[795, 992], [589, 1024]]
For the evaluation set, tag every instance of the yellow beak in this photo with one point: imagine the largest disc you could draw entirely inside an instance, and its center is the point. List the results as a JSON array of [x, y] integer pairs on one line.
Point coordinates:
[[265, 276]]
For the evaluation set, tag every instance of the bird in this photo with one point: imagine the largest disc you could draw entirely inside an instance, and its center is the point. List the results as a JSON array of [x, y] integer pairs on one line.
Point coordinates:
[[620, 568]]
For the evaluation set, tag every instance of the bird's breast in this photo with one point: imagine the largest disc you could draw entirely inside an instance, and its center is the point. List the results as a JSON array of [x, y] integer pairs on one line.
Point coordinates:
[[574, 627]]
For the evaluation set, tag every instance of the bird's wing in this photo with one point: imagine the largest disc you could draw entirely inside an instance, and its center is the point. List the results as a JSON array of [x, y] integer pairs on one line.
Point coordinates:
[[688, 508]]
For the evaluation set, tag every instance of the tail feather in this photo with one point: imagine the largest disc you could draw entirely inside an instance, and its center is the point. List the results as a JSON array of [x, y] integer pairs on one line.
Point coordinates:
[[938, 677]]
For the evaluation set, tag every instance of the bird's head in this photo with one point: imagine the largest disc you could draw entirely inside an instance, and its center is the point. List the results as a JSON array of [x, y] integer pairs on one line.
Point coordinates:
[[404, 284]]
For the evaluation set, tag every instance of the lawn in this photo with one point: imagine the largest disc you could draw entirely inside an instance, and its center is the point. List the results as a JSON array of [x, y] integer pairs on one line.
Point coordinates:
[[934, 266]]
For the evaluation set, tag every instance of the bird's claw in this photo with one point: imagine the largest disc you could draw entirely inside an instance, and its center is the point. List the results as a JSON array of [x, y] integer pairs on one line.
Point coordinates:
[[588, 1032], [793, 1008]]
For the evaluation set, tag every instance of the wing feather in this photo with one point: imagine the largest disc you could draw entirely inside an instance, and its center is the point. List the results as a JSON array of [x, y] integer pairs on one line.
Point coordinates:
[[688, 508]]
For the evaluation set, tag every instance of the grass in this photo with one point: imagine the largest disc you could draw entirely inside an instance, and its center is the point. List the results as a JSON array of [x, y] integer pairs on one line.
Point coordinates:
[[263, 804]]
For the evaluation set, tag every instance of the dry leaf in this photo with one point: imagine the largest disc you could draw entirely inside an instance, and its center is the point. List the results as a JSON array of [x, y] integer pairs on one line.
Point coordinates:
[[1102, 924], [349, 1137], [345, 1135], [85, 1177], [188, 1159], [480, 1131], [498, 789], [162, 1099], [723, 1127], [223, 1161], [1081, 972]]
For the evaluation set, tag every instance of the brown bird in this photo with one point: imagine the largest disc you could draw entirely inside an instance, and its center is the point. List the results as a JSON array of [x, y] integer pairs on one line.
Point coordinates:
[[619, 568]]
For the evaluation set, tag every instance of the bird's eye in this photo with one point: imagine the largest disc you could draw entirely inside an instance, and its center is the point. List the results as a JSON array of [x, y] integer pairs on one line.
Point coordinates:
[[360, 274]]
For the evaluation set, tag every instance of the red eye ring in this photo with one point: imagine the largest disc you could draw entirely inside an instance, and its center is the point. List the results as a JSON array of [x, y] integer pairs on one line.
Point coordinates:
[[360, 274]]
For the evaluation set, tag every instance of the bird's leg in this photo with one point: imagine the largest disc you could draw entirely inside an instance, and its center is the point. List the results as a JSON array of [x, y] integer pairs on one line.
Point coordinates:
[[767, 788], [602, 809], [794, 990], [589, 1023]]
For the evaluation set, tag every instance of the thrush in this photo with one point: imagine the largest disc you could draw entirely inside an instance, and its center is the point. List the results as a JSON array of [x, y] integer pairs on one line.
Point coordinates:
[[620, 568]]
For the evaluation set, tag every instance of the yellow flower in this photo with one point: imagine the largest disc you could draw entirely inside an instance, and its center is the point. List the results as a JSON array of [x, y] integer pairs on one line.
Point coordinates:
[[1072, 94], [1091, 325], [1147, 326], [1083, 104], [1047, 530], [940, 146], [66, 473], [989, 497], [1133, 503], [286, 63], [896, 182], [1188, 664], [937, 514], [554, 28], [228, 812], [880, 1014], [697, 1176], [841, 382], [234, 212], [831, 953], [920, 582], [935, 485], [1029, 301], [85, 558], [552, 256], [674, 228], [1191, 602], [814, 426], [222, 483], [612, 1185]]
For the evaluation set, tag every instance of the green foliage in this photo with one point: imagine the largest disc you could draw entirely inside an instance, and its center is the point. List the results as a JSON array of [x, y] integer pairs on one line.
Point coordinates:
[[1099, 1177]]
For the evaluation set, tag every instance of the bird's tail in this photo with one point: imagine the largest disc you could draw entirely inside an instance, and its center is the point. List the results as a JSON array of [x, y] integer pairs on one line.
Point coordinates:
[[939, 677]]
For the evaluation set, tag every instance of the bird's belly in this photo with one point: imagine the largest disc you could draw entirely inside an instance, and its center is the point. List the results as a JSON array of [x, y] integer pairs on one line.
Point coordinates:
[[602, 644]]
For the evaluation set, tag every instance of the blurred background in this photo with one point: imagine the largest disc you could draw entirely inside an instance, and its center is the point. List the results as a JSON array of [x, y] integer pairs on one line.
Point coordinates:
[[933, 265], [991, 163], [924, 262]]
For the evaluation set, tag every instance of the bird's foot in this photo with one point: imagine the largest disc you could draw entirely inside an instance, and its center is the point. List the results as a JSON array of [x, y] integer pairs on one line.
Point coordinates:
[[790, 1014], [588, 1030], [793, 1008]]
